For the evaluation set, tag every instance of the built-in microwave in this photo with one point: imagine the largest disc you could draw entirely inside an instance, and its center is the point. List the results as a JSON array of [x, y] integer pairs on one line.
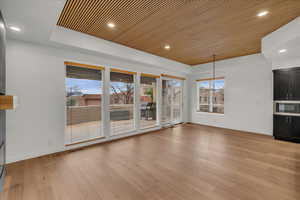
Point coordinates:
[[288, 108]]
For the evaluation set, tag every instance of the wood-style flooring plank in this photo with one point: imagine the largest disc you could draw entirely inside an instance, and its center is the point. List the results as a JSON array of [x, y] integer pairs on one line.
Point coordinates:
[[187, 162]]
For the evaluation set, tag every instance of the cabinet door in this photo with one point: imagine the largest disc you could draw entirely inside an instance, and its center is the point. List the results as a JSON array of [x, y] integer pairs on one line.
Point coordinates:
[[282, 84], [296, 127], [295, 89], [282, 126], [2, 55]]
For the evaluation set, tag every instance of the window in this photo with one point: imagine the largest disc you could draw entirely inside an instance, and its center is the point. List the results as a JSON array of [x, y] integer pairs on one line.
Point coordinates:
[[171, 101], [209, 99], [83, 102], [121, 102], [148, 101], [177, 100]]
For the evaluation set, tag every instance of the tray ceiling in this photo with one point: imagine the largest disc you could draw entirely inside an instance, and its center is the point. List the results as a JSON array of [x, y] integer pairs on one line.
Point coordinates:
[[194, 29]]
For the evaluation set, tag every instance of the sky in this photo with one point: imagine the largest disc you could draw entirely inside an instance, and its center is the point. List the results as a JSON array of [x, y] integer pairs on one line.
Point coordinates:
[[85, 86], [90, 86], [218, 84]]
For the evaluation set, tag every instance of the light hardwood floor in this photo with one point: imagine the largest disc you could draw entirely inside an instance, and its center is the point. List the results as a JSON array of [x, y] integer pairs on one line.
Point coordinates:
[[188, 162]]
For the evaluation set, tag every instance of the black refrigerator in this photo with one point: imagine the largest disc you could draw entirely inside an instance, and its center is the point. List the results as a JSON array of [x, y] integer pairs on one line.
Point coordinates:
[[2, 92]]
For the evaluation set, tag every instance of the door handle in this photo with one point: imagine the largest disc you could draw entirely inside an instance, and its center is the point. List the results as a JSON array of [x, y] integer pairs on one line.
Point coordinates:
[[290, 119]]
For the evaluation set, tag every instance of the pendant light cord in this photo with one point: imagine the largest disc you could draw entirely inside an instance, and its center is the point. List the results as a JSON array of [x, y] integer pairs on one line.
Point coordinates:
[[214, 71], [214, 78]]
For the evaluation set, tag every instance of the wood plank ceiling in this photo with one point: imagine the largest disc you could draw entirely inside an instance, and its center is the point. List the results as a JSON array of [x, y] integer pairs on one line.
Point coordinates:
[[195, 29]]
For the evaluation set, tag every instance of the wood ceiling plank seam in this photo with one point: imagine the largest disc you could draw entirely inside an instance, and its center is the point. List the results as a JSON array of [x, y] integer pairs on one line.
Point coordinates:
[[137, 22], [123, 36], [73, 7], [169, 21], [84, 11], [63, 13], [171, 34], [178, 31], [78, 16], [102, 10], [118, 21], [92, 13], [127, 11], [222, 31], [122, 9], [98, 17], [68, 12], [135, 26], [107, 9]]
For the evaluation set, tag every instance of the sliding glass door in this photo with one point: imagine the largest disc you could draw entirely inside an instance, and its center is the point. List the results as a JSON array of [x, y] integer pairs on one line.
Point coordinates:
[[148, 101], [171, 112], [83, 102], [166, 108], [121, 102], [132, 105]]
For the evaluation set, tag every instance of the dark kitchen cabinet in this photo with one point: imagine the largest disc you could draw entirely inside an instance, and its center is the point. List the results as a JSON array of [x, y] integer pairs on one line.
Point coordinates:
[[295, 86], [282, 126], [282, 85], [296, 127], [2, 55], [287, 128], [287, 84], [2, 92]]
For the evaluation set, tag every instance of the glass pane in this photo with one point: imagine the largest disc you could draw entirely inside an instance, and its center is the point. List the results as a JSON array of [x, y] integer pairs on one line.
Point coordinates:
[[148, 99], [218, 96], [177, 98], [288, 108], [121, 102], [166, 101], [84, 96], [203, 87]]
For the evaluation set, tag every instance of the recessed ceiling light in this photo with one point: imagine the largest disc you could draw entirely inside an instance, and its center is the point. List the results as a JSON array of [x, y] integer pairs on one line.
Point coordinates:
[[282, 51], [111, 25], [15, 28], [167, 47], [263, 13]]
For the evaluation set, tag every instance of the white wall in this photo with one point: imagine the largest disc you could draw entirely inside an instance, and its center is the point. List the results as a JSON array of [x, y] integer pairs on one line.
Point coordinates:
[[35, 73], [82, 41], [248, 94], [286, 37]]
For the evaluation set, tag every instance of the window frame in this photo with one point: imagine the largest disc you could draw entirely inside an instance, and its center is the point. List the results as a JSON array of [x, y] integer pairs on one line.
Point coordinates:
[[210, 102], [182, 81], [135, 86], [68, 142], [157, 79]]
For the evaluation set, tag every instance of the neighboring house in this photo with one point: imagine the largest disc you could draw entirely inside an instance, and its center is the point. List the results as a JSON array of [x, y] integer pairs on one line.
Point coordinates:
[[91, 99]]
